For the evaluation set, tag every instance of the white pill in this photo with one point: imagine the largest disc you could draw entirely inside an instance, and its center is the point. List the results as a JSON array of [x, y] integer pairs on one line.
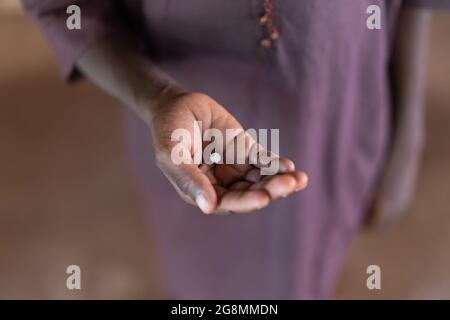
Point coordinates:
[[215, 157]]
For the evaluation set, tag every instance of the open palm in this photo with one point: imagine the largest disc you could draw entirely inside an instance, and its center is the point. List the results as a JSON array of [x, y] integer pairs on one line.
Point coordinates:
[[218, 188]]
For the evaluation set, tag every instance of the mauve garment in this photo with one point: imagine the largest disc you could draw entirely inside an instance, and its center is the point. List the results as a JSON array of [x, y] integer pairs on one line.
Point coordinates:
[[324, 83]]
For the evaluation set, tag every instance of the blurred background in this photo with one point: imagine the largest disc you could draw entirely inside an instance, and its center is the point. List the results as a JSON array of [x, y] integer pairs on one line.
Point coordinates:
[[66, 195]]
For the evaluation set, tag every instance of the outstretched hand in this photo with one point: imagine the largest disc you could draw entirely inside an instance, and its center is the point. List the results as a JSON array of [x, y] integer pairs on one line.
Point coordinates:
[[217, 187]]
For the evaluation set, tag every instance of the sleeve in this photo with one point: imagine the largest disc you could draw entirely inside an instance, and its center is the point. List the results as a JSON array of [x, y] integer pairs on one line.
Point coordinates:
[[99, 19], [432, 4]]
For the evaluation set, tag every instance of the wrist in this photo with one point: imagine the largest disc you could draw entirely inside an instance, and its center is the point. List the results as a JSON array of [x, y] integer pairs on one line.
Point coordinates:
[[155, 97]]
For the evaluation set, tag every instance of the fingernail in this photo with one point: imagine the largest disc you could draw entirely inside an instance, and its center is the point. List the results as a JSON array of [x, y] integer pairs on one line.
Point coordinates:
[[202, 203]]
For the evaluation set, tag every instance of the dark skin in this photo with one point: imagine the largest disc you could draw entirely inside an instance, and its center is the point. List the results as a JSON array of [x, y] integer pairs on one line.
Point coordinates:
[[395, 189], [237, 188], [166, 106]]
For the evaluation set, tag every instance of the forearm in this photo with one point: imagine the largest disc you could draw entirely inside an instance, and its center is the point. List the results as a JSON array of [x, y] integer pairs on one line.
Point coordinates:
[[402, 163], [408, 75], [127, 75]]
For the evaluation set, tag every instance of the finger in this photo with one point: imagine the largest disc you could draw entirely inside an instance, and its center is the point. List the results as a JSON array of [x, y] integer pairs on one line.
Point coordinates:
[[286, 165], [301, 179], [243, 201], [240, 185], [226, 174], [272, 165], [220, 191], [191, 183], [268, 161], [253, 175], [278, 186]]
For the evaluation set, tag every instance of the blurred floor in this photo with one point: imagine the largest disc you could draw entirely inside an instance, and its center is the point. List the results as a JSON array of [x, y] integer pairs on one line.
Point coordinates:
[[65, 193], [66, 196]]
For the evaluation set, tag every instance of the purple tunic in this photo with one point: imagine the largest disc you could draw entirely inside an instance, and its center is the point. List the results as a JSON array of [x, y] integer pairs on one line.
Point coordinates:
[[324, 83]]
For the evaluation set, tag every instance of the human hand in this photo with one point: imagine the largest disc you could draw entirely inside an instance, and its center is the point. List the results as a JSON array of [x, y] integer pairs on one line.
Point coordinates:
[[216, 188]]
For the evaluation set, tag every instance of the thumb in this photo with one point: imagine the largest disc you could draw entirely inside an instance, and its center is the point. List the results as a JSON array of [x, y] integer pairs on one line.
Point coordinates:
[[191, 183]]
